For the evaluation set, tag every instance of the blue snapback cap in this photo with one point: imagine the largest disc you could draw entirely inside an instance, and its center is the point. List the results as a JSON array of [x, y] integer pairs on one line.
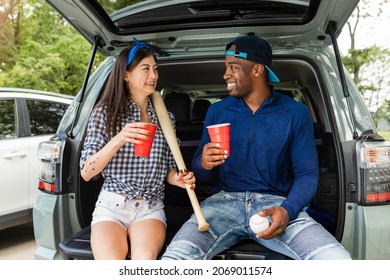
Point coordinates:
[[255, 49]]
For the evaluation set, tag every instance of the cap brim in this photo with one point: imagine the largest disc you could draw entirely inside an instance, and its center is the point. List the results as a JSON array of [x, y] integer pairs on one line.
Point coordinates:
[[271, 76]]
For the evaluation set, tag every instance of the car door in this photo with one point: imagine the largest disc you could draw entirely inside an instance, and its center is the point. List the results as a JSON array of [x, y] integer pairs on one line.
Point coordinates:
[[13, 159], [178, 27]]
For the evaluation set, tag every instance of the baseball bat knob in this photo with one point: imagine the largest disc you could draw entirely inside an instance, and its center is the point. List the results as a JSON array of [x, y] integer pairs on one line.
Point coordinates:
[[203, 227]]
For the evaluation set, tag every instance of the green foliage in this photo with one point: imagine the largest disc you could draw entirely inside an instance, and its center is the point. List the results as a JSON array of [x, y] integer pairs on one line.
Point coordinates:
[[384, 110], [114, 5], [49, 54], [7, 46], [368, 66], [385, 134]]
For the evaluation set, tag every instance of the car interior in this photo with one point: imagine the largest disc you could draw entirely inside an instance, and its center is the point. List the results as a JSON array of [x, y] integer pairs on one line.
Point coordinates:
[[188, 89]]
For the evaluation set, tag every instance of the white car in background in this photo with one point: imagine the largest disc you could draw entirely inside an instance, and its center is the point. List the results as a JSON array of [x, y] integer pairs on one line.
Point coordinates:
[[27, 117]]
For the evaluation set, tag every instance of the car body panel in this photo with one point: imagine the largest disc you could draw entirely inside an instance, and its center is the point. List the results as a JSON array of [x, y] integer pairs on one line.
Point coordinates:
[[51, 224], [372, 240], [17, 157]]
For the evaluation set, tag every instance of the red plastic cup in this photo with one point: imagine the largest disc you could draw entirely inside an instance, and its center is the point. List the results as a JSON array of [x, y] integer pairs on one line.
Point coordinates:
[[143, 149], [220, 133]]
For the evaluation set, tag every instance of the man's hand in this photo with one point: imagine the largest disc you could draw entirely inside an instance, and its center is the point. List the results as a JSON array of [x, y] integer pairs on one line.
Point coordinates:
[[279, 217], [212, 156]]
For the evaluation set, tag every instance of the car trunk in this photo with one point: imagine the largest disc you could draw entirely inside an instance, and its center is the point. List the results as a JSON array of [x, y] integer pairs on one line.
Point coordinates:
[[298, 80]]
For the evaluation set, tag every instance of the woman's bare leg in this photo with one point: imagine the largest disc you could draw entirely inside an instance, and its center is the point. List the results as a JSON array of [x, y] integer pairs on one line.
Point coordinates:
[[109, 241], [147, 238]]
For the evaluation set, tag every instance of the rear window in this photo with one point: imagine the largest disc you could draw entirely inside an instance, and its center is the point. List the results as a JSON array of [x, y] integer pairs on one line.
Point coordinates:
[[45, 116], [7, 119]]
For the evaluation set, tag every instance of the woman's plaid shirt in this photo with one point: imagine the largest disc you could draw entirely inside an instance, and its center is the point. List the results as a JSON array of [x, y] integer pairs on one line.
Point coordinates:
[[126, 173]]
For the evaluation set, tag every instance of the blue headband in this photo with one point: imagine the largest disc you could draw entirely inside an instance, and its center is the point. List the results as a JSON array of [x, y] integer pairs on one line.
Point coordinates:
[[138, 45]]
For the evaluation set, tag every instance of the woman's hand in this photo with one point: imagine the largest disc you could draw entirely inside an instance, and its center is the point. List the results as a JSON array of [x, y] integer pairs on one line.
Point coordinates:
[[132, 133], [181, 179]]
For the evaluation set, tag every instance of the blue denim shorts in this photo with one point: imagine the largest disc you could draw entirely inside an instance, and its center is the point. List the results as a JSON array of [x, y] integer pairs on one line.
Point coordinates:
[[113, 207], [228, 215]]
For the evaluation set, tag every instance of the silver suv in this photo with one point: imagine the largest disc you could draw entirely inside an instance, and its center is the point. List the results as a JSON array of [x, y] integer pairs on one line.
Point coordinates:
[[27, 117], [189, 37]]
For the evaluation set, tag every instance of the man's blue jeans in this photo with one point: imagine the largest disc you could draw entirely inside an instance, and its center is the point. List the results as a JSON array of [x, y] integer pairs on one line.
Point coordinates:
[[228, 215]]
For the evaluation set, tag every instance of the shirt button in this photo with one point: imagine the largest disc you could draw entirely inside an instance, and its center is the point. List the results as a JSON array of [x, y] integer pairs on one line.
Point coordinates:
[[136, 204]]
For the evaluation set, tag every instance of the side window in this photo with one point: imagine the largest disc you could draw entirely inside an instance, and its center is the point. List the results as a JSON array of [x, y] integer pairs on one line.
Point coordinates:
[[7, 119], [45, 116]]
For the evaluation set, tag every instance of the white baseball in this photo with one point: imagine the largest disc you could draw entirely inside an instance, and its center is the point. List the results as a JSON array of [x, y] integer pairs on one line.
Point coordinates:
[[258, 223]]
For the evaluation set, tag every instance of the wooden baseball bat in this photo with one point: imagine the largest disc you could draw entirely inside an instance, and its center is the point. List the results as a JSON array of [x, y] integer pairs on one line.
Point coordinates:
[[170, 136]]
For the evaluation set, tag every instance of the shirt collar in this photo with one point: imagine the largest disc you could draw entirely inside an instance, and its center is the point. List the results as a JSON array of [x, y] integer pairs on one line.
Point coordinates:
[[267, 101], [137, 114]]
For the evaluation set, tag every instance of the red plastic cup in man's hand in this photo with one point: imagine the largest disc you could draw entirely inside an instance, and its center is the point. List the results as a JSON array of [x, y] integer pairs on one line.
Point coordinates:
[[220, 133], [143, 149]]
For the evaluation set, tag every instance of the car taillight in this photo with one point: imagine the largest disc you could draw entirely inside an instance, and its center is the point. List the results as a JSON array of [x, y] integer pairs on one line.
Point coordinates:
[[375, 172], [49, 154]]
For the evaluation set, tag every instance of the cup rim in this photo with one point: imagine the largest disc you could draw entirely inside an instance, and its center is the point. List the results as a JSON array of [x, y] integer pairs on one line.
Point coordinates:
[[149, 123], [218, 125]]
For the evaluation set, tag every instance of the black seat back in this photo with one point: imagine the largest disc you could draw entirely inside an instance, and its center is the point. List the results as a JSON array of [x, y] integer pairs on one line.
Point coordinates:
[[199, 110], [179, 104]]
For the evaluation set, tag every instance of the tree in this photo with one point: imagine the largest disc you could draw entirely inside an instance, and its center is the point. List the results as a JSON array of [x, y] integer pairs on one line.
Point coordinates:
[[112, 6], [368, 66], [10, 14], [48, 55]]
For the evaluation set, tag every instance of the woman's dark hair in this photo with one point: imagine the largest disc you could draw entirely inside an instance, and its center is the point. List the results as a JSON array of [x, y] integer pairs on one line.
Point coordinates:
[[116, 93]]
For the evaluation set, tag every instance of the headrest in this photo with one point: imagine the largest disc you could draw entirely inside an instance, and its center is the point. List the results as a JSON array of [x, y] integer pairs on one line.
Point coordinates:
[[199, 110], [179, 104]]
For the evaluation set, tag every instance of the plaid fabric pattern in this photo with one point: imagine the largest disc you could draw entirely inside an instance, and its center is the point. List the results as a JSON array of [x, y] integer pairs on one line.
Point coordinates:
[[126, 173]]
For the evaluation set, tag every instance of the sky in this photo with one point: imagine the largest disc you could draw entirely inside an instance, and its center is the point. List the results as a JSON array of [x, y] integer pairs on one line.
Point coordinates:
[[372, 30]]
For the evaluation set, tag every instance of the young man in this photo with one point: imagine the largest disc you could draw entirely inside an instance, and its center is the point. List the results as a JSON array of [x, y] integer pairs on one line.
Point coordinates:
[[272, 170]]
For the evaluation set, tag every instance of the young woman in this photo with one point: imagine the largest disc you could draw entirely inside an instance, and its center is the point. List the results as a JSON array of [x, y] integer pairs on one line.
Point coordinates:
[[130, 204]]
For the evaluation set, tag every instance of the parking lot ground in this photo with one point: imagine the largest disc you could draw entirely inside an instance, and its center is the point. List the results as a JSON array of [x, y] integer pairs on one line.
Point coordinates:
[[17, 243]]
